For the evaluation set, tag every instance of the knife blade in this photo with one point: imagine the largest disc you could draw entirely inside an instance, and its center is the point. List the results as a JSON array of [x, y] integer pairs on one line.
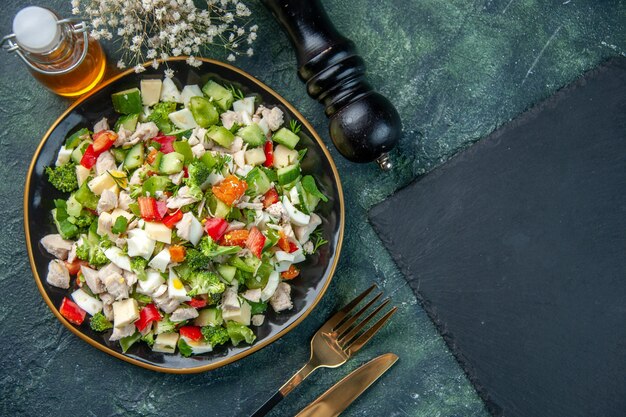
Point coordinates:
[[343, 393]]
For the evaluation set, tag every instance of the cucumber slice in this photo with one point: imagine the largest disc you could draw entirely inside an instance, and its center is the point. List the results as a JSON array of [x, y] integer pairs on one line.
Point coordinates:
[[184, 149], [258, 181], [77, 153], [252, 135], [119, 154], [288, 174], [221, 136], [204, 112], [150, 91], [157, 161], [155, 183], [171, 163], [219, 94], [127, 101], [128, 122], [183, 119], [218, 207], [227, 272], [75, 138], [135, 157], [286, 137], [209, 317], [240, 264]]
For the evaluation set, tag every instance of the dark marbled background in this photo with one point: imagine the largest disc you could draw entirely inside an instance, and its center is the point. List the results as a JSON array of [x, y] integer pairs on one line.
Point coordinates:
[[455, 70]]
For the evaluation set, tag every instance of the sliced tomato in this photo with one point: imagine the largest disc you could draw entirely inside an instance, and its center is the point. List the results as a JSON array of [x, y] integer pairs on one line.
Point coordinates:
[[191, 332], [292, 247], [230, 189], [270, 197], [103, 140], [177, 253], [255, 242], [268, 149], [283, 241], [170, 220], [215, 227], [166, 142], [235, 238], [291, 273], [147, 315], [148, 208], [89, 158], [72, 312], [74, 267], [197, 302]]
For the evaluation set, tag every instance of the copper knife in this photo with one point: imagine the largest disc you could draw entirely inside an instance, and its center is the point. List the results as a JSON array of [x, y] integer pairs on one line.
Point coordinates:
[[343, 393]]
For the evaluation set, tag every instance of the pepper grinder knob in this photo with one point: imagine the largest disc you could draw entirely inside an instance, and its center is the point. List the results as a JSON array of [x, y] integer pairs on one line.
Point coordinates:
[[364, 125]]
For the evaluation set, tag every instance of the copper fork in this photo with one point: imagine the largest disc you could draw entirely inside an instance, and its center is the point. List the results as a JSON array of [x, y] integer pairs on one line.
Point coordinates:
[[336, 341]]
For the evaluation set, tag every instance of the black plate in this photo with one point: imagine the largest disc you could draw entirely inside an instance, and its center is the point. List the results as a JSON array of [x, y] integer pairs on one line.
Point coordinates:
[[307, 289]]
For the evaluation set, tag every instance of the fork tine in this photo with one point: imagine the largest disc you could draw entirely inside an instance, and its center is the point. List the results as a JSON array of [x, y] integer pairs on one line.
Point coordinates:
[[351, 319], [341, 314], [354, 331], [355, 346]]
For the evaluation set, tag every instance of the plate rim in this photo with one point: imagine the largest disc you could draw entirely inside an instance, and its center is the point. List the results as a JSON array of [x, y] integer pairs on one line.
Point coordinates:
[[253, 348]]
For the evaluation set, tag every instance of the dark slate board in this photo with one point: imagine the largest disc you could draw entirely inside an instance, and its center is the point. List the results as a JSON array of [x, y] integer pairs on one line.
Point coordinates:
[[517, 250]]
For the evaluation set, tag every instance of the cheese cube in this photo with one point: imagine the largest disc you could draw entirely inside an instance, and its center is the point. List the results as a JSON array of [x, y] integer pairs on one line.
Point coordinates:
[[165, 343], [150, 91], [158, 232], [125, 312], [240, 315]]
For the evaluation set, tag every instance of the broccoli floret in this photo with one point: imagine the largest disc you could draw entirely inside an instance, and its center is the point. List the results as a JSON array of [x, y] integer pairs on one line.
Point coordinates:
[[196, 259], [63, 177], [238, 333], [211, 249], [138, 265], [159, 115], [204, 282], [198, 174], [82, 251], [215, 335], [97, 257], [85, 219], [99, 323], [148, 338], [165, 325]]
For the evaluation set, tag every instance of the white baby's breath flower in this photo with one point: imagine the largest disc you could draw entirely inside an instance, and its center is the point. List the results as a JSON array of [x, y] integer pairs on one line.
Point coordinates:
[[162, 28], [139, 68], [169, 73]]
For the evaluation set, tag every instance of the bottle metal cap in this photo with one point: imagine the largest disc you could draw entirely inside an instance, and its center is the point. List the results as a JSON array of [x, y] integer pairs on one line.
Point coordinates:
[[36, 29]]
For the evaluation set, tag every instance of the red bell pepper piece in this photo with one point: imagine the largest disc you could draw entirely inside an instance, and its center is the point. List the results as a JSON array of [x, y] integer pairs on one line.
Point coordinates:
[[103, 140], [191, 332], [185, 172], [89, 158], [72, 312], [148, 208], [215, 227], [166, 142], [270, 197], [255, 242], [268, 148], [291, 273], [197, 302], [147, 315], [170, 220]]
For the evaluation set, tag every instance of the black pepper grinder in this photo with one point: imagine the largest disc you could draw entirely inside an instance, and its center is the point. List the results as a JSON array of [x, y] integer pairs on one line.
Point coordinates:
[[364, 125]]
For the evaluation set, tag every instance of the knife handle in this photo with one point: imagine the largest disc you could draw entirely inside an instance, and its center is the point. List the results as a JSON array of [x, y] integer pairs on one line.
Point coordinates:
[[364, 125], [293, 382]]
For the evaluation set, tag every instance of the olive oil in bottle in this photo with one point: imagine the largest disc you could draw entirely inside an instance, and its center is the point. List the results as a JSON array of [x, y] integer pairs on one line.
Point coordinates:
[[59, 53]]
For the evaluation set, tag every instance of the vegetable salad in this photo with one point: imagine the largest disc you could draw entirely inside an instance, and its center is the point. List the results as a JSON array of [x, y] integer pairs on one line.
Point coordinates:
[[186, 219]]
